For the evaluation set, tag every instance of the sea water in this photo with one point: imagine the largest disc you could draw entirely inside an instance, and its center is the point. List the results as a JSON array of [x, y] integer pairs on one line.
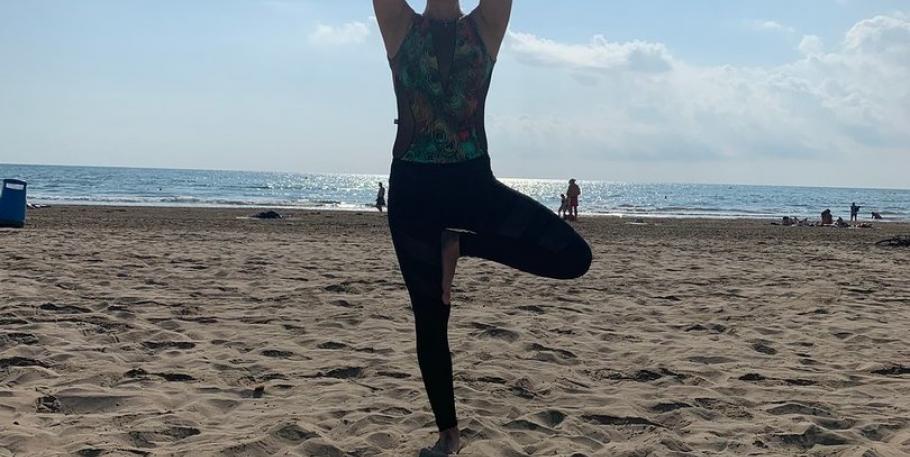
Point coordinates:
[[210, 188]]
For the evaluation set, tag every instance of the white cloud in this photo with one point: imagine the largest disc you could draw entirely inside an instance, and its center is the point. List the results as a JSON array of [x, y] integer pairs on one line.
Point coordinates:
[[851, 101], [811, 45], [350, 33], [881, 34], [771, 25], [598, 54]]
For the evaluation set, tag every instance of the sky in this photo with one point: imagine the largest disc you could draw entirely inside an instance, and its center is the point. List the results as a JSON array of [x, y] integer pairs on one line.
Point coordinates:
[[801, 92]]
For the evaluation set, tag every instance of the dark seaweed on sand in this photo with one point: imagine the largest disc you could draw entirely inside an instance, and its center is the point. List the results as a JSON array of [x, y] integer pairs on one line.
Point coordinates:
[[902, 241]]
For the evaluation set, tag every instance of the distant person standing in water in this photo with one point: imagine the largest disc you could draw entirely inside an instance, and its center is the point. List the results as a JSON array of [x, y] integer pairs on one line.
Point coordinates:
[[573, 193], [444, 201], [380, 198]]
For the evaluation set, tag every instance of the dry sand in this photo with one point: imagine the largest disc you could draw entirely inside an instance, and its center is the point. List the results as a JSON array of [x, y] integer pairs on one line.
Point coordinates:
[[132, 331]]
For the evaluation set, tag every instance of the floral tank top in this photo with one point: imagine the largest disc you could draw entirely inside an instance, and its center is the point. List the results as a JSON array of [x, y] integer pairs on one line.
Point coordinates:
[[442, 75]]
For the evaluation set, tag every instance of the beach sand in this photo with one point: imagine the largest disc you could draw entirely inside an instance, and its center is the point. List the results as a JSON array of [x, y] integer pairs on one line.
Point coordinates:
[[137, 331]]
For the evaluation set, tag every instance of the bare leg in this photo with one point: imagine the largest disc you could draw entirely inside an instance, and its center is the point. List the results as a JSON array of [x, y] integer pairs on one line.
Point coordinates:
[[451, 250]]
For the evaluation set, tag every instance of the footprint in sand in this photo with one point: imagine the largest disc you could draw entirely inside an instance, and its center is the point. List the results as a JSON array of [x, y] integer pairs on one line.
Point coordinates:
[[293, 433], [9, 320], [345, 304], [525, 425], [151, 438], [64, 309], [812, 436], [157, 345], [551, 417], [711, 360], [139, 373], [671, 406], [896, 370], [494, 332], [533, 309], [342, 373], [763, 347], [603, 419], [18, 338], [638, 376], [83, 403], [752, 377], [524, 388], [393, 374], [332, 345], [313, 447], [710, 328], [21, 362], [880, 432], [342, 288], [278, 354], [540, 347], [799, 408]]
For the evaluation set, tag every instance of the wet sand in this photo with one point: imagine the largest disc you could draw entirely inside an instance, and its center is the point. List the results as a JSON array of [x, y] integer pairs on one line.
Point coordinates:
[[141, 331]]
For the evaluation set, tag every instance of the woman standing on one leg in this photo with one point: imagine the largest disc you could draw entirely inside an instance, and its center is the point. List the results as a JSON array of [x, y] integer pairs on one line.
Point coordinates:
[[444, 201]]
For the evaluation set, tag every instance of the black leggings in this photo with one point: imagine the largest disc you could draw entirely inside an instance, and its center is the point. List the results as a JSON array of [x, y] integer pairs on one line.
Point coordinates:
[[505, 226]]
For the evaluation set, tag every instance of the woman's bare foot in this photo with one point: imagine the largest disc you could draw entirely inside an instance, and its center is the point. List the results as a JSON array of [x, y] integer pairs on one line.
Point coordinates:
[[449, 444], [451, 250]]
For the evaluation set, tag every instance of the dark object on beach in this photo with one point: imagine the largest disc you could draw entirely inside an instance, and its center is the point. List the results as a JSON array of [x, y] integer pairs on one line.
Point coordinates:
[[267, 215], [876, 216], [827, 218], [49, 404], [896, 242]]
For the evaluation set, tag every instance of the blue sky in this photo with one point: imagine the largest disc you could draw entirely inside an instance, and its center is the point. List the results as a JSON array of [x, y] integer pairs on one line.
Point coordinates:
[[810, 92]]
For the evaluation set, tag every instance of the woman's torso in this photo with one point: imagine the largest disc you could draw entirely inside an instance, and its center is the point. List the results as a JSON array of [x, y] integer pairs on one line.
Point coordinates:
[[442, 74]]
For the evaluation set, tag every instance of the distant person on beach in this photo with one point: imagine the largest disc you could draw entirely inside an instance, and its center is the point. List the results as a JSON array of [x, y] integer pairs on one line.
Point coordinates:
[[827, 218], [573, 193], [854, 212], [563, 206], [876, 216], [380, 198], [444, 202]]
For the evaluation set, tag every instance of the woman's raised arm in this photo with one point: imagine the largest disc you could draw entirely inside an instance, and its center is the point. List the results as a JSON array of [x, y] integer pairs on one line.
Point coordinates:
[[394, 17], [493, 19]]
